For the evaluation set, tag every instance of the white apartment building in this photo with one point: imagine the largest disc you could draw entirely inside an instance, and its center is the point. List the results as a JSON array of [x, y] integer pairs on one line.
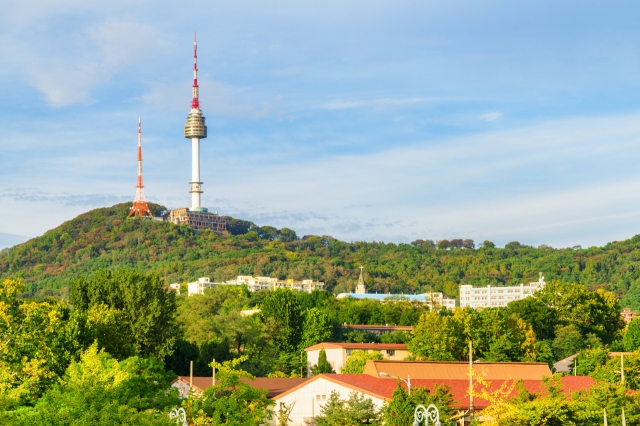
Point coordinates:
[[493, 297], [268, 283], [257, 283]]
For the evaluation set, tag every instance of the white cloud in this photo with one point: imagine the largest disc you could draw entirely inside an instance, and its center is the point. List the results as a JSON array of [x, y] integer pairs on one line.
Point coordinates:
[[377, 104], [561, 183], [491, 116], [68, 75]]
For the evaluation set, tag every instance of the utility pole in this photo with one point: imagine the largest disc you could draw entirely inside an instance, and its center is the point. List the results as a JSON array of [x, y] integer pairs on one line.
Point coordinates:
[[471, 409], [214, 371], [622, 368]]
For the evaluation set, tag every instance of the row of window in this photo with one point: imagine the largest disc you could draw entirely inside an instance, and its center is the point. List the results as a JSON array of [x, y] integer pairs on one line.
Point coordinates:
[[390, 352]]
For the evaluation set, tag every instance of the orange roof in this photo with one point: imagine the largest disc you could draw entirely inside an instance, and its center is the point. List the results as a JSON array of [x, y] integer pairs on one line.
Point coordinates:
[[383, 388], [458, 370], [274, 386], [363, 346]]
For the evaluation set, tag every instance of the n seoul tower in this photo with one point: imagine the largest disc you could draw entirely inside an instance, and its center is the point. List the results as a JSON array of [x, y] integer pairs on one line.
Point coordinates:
[[196, 216], [195, 129]]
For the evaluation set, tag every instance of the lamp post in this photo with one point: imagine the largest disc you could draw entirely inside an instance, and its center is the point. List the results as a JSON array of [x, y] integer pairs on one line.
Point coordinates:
[[426, 414], [408, 381]]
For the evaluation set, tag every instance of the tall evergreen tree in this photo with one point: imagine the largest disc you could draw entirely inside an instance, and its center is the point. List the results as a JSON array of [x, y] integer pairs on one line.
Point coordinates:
[[323, 366]]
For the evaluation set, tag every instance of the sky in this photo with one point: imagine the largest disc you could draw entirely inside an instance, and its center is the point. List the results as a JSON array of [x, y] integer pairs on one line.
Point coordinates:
[[365, 120]]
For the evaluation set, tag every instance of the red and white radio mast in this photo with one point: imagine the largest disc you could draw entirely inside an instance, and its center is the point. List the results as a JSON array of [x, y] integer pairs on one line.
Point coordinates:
[[140, 207]]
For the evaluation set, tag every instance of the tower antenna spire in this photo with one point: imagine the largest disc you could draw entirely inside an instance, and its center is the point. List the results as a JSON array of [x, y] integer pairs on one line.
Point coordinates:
[[140, 207], [195, 102]]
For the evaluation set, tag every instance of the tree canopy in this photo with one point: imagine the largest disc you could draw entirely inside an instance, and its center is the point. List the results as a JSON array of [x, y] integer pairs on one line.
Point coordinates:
[[140, 302], [105, 238]]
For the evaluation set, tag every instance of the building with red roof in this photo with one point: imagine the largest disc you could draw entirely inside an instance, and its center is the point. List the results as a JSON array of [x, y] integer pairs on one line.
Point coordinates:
[[308, 398]]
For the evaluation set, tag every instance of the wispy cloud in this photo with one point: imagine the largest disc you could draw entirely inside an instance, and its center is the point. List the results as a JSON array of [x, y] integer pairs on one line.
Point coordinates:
[[96, 53], [460, 187], [491, 116], [64, 199], [376, 104]]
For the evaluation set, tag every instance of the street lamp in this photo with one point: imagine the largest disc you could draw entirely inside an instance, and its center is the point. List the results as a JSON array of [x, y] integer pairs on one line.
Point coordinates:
[[180, 415], [426, 414], [408, 381]]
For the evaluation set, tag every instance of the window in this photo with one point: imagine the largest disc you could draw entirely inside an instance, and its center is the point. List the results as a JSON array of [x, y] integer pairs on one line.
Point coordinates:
[[348, 352], [391, 352]]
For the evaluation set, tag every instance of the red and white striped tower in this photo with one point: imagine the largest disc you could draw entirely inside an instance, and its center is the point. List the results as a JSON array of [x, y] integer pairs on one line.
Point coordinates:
[[140, 207]]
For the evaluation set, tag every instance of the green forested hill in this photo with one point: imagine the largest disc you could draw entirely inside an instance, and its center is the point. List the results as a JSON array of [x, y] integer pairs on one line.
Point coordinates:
[[105, 238]]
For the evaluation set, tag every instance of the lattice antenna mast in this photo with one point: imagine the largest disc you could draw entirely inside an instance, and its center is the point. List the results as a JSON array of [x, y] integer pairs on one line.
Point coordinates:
[[195, 102], [140, 207]]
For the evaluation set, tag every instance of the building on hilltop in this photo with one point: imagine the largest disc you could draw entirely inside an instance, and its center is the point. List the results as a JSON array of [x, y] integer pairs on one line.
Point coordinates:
[[337, 353], [627, 315], [268, 283], [198, 220], [196, 216], [437, 300], [257, 283], [493, 297], [360, 287]]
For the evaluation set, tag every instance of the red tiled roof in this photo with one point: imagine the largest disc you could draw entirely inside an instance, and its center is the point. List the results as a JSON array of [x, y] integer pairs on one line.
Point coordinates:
[[364, 346], [383, 388], [274, 386]]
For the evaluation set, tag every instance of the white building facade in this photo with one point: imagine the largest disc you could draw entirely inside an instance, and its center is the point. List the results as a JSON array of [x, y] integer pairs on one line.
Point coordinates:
[[268, 283], [308, 399], [495, 297], [257, 283], [338, 352]]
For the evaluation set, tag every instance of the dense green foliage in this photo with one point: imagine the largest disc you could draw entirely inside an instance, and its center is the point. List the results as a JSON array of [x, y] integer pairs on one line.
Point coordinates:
[[355, 411], [323, 366], [231, 401], [585, 408], [136, 300], [496, 336], [98, 390], [631, 339], [567, 318], [400, 410], [104, 238], [38, 340], [105, 352], [358, 359]]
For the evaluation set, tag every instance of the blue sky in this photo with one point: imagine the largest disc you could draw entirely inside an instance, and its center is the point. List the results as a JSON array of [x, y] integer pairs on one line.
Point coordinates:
[[365, 120]]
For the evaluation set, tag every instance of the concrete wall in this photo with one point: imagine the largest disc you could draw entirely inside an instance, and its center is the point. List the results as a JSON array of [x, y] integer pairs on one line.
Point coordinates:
[[336, 357]]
